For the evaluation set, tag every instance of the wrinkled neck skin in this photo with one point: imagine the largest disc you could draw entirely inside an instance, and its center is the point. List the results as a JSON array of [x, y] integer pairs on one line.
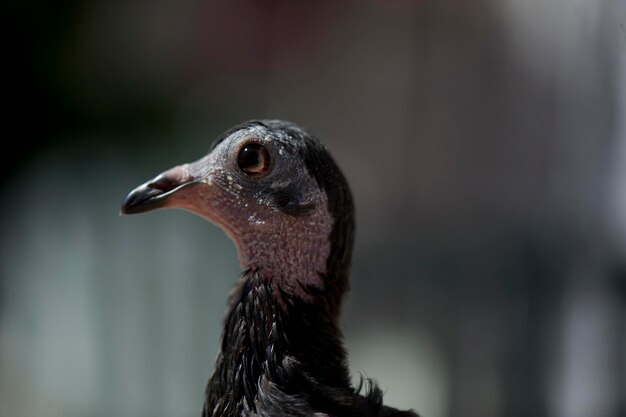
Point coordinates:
[[290, 251], [288, 245]]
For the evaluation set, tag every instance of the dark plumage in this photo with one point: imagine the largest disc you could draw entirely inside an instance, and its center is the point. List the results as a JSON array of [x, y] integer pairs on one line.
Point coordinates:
[[279, 195]]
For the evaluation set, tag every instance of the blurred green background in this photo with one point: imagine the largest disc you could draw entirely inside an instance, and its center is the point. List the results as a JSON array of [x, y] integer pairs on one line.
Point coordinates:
[[485, 142]]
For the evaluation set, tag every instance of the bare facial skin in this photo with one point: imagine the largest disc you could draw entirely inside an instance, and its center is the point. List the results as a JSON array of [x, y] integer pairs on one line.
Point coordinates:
[[276, 214]]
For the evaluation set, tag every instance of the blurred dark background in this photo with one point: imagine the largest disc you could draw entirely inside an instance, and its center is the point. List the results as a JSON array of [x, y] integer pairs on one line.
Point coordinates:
[[485, 142]]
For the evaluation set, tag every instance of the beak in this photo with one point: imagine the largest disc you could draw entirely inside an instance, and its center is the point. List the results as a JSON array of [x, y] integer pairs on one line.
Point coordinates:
[[156, 193]]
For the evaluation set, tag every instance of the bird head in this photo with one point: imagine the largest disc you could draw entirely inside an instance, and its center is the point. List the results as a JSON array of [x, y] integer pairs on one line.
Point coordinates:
[[278, 194]]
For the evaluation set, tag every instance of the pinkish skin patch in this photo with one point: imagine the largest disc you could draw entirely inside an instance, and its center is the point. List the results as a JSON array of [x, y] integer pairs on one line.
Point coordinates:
[[289, 250]]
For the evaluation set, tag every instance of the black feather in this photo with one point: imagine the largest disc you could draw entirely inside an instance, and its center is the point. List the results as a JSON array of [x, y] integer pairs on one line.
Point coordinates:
[[284, 359]]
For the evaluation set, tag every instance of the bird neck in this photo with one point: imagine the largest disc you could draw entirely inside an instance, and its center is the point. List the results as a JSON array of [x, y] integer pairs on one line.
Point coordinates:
[[275, 341], [291, 251]]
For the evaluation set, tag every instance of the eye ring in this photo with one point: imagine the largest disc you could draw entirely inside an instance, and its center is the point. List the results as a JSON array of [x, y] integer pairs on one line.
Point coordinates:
[[253, 159]]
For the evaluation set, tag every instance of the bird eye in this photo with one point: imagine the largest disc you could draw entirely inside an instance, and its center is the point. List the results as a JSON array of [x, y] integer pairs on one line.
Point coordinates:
[[254, 159]]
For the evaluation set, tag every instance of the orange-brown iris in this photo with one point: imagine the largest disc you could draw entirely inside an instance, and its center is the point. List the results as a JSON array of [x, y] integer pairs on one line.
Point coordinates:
[[254, 159]]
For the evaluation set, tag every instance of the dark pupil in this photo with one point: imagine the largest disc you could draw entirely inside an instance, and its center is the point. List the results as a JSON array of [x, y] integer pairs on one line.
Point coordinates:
[[253, 159]]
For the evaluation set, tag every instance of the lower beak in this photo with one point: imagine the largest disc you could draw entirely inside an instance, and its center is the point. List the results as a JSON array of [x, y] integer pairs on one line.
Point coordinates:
[[155, 193]]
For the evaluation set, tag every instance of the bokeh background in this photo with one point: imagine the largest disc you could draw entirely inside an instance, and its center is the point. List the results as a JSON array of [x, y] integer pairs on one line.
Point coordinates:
[[485, 142]]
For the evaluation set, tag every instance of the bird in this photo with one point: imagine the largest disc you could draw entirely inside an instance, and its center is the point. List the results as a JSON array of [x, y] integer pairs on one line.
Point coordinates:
[[279, 195]]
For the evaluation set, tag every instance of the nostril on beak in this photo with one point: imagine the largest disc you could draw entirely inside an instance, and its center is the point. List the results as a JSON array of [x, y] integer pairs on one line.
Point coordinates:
[[165, 182]]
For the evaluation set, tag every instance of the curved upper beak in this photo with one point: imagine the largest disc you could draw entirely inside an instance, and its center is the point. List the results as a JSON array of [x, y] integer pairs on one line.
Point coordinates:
[[157, 192]]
